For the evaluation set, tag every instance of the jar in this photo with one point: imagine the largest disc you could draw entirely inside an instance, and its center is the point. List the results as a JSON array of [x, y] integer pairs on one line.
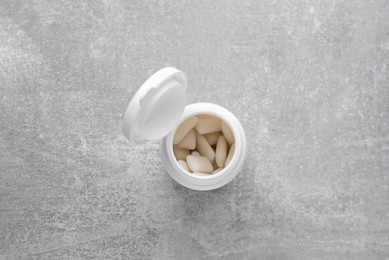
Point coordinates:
[[157, 110]]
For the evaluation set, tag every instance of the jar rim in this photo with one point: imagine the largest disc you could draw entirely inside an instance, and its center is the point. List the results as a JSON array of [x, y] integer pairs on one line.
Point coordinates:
[[210, 176], [213, 181]]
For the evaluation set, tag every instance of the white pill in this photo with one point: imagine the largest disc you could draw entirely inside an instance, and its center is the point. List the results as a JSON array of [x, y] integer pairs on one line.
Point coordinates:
[[217, 170], [180, 153], [214, 165], [212, 138], [199, 164], [184, 129], [227, 133], [201, 116], [204, 148], [196, 153], [230, 154], [208, 125], [189, 141], [221, 151], [184, 165]]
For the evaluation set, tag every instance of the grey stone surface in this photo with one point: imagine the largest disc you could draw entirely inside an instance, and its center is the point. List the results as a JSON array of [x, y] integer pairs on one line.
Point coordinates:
[[309, 81]]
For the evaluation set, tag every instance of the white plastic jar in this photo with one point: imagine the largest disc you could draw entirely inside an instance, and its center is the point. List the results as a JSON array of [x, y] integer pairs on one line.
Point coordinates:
[[157, 110]]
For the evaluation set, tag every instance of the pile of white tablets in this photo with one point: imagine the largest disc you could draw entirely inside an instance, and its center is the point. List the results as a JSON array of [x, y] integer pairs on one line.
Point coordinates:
[[203, 144]]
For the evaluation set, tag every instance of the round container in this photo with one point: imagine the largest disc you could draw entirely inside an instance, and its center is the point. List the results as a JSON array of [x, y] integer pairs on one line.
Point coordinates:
[[157, 110]]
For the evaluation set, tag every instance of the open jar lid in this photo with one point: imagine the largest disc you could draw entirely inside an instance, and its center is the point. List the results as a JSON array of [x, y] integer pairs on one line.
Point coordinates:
[[157, 106]]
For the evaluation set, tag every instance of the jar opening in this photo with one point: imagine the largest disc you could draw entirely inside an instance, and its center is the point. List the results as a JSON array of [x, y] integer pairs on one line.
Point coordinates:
[[203, 145]]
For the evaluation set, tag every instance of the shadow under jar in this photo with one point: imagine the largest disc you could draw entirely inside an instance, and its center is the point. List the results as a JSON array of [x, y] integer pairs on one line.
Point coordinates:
[[158, 110]]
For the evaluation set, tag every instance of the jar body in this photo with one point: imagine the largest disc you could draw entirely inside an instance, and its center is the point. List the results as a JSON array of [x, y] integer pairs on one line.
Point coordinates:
[[213, 181]]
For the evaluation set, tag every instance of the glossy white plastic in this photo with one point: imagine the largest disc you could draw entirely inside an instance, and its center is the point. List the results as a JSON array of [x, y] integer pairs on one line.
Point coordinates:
[[156, 111], [213, 181]]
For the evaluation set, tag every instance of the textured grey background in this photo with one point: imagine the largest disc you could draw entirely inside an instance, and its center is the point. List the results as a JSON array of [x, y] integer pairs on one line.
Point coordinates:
[[309, 81]]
